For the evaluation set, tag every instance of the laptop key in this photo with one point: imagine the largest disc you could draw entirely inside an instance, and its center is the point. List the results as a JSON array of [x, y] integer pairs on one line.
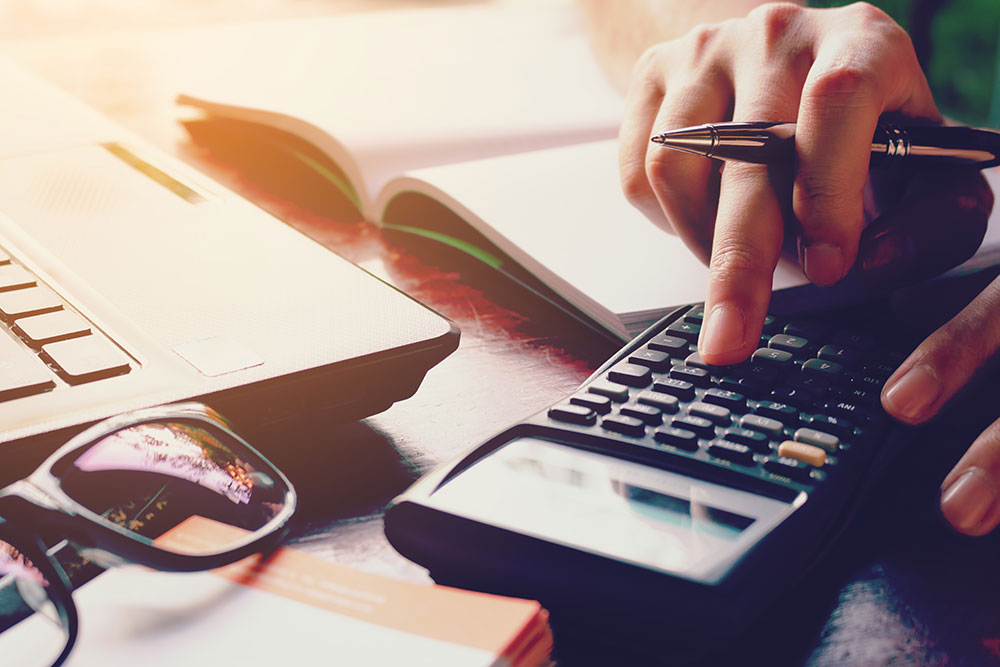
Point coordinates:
[[86, 358], [21, 372], [40, 330], [13, 276], [28, 302]]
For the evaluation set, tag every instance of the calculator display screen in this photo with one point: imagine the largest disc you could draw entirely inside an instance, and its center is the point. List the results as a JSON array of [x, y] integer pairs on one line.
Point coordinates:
[[696, 516], [655, 518]]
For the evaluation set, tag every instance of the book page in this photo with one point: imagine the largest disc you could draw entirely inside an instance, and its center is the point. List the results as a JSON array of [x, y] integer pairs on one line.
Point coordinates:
[[560, 213], [408, 89]]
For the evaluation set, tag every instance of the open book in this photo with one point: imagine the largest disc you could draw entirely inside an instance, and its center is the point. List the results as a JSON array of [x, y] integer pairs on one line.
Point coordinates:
[[487, 127]]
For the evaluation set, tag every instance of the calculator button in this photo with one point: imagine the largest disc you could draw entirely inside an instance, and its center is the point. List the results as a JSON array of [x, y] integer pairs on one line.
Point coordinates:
[[815, 384], [752, 386], [880, 369], [800, 398], [686, 330], [808, 330], [21, 372], [647, 413], [866, 382], [672, 345], [765, 373], [625, 425], [28, 302], [771, 325], [790, 468], [784, 413], [699, 377], [599, 404], [86, 358], [729, 383], [39, 330], [854, 395], [857, 341], [814, 456], [775, 357], [731, 451], [716, 414], [838, 353], [694, 359], [663, 402], [851, 411], [703, 427], [695, 315], [822, 368], [632, 375], [811, 436], [573, 414], [651, 359], [731, 400], [680, 388], [770, 427], [832, 425], [755, 440], [677, 437], [616, 392], [792, 344]]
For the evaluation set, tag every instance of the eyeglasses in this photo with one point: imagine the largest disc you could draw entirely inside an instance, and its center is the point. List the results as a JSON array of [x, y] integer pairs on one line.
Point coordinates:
[[113, 489]]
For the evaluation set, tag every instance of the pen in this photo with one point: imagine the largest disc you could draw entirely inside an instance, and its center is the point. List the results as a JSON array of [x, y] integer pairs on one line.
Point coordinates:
[[892, 145]]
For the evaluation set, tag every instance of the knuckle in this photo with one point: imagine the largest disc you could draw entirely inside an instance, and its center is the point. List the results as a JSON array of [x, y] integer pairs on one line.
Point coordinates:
[[648, 74], [731, 261], [820, 192], [866, 12], [958, 346], [843, 83], [659, 164], [702, 39], [776, 20], [635, 187]]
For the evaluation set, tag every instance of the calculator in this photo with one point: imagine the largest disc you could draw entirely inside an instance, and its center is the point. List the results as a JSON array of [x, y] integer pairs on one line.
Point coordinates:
[[665, 495]]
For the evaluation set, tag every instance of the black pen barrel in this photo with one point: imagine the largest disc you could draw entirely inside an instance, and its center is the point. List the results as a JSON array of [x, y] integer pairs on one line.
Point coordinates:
[[922, 146], [935, 146]]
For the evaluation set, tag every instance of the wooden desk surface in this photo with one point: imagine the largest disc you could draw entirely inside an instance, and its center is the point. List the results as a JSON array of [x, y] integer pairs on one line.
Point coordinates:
[[900, 588]]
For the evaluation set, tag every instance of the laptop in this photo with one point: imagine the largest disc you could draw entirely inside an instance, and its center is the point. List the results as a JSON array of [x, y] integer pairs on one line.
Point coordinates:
[[128, 279]]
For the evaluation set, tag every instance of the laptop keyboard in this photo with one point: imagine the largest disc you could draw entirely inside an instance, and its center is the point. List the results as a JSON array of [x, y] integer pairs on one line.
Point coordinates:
[[47, 343]]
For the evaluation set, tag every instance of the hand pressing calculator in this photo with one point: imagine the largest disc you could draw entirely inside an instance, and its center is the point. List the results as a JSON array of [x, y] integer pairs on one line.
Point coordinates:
[[665, 495]]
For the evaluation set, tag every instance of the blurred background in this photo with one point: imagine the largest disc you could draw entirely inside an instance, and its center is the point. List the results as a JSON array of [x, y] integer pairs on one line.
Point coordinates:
[[956, 41]]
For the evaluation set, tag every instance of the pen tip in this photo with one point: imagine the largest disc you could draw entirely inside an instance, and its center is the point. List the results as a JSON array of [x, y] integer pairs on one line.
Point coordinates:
[[658, 139]]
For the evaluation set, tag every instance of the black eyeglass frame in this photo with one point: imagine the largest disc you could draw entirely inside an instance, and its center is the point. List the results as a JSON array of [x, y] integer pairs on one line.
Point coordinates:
[[37, 506]]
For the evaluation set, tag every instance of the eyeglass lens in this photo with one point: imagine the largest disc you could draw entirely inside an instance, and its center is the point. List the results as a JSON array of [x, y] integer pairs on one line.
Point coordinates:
[[151, 477]]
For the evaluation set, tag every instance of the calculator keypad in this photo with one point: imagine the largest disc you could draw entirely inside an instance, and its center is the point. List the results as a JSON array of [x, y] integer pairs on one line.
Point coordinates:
[[789, 414]]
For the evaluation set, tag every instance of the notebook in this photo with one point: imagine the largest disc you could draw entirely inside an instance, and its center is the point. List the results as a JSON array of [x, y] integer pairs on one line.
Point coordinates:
[[488, 128], [128, 279]]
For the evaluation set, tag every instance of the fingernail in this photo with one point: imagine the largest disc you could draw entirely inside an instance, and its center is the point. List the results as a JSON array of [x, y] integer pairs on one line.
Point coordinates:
[[967, 501], [724, 330], [889, 251], [823, 263], [911, 395]]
